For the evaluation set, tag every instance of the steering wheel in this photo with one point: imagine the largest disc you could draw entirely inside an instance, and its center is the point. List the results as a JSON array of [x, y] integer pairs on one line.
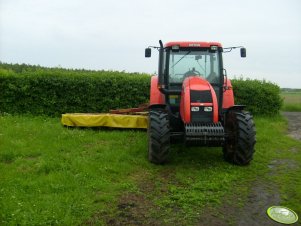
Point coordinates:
[[192, 72]]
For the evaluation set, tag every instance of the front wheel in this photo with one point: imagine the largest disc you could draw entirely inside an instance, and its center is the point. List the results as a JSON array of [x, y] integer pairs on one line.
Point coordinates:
[[158, 137], [240, 137]]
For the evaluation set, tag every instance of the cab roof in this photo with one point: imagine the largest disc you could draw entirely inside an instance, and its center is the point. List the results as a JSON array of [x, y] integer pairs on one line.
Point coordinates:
[[196, 44]]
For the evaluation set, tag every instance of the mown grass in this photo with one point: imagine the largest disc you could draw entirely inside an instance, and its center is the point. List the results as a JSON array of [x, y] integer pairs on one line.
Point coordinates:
[[292, 101], [59, 176], [55, 175]]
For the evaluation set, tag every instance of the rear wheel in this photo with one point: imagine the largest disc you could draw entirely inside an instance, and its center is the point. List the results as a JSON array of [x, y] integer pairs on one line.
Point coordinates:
[[158, 137], [240, 140]]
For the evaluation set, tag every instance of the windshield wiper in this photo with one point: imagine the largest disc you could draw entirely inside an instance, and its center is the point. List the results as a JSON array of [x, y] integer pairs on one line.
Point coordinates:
[[181, 59]]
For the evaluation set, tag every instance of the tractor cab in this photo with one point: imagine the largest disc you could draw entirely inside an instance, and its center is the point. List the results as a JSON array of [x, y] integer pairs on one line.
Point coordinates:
[[181, 60]]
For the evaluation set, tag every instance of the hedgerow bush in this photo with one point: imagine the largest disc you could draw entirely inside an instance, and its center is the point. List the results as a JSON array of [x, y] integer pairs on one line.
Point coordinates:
[[52, 91], [260, 97]]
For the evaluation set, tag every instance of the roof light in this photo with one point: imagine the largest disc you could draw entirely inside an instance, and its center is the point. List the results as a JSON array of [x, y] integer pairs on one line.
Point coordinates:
[[175, 47], [213, 48]]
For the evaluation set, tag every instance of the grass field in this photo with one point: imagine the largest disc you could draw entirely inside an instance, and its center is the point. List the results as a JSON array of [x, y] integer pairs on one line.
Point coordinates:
[[51, 175], [291, 101]]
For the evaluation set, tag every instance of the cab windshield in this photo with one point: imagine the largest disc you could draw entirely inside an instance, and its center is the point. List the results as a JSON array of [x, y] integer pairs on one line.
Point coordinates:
[[185, 63]]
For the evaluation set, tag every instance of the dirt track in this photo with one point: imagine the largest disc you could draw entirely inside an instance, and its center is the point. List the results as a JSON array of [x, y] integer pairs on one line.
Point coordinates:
[[294, 124]]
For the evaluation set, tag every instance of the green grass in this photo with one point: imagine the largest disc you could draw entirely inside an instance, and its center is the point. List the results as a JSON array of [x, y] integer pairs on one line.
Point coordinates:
[[292, 101], [54, 175], [59, 176]]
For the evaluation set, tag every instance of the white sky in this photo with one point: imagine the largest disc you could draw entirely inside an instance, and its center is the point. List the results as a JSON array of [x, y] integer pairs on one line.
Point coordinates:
[[107, 34]]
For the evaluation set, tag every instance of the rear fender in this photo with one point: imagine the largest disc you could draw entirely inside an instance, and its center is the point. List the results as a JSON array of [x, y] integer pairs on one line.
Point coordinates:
[[228, 96], [156, 97]]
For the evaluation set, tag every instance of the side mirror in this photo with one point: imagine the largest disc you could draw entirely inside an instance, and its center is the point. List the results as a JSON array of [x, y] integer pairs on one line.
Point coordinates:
[[148, 52], [243, 52]]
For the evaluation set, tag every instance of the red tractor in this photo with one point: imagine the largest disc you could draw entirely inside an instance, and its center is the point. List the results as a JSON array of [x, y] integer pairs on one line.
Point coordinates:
[[192, 100]]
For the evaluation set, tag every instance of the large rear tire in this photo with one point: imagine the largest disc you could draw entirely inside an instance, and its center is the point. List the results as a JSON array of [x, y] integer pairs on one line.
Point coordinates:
[[240, 139], [158, 137]]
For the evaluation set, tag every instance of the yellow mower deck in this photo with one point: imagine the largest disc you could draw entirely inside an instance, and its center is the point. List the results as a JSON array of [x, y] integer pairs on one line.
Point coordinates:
[[105, 120]]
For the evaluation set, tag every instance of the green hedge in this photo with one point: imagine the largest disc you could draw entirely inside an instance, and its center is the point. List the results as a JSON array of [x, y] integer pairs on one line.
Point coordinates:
[[52, 91], [260, 97]]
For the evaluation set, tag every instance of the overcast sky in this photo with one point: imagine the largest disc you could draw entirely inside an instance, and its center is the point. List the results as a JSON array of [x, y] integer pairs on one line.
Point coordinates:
[[107, 34]]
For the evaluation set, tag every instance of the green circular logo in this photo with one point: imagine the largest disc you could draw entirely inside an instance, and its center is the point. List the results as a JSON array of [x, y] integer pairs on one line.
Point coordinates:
[[282, 215]]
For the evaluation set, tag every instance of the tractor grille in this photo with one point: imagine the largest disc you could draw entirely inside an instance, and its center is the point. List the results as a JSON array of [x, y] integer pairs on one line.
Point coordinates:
[[197, 96], [207, 134], [201, 115]]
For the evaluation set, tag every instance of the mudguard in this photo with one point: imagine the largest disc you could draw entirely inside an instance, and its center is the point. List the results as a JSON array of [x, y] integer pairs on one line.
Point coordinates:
[[156, 97], [195, 83], [228, 97]]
